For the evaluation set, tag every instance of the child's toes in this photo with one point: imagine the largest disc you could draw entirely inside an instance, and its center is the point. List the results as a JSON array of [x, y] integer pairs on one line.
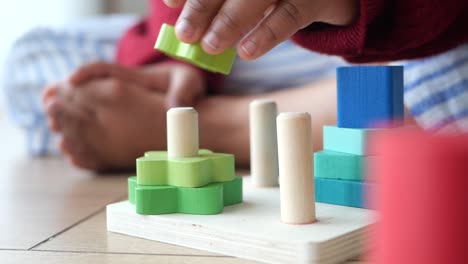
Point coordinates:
[[52, 124], [54, 111], [78, 154], [82, 162], [50, 92], [75, 142]]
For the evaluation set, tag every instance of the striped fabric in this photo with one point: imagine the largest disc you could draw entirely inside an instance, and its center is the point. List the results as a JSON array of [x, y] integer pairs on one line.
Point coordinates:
[[45, 56], [436, 91], [436, 88], [287, 65]]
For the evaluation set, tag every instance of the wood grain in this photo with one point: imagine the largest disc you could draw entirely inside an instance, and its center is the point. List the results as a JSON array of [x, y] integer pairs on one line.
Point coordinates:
[[43, 197], [46, 257], [92, 236]]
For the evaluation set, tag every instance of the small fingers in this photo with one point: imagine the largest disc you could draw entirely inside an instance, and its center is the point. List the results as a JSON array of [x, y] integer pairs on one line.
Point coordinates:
[[195, 18], [285, 20], [174, 3], [101, 70], [89, 72], [235, 19]]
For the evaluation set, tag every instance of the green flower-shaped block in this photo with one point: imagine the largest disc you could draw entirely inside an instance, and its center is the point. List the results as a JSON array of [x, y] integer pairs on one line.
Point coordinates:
[[193, 185], [207, 200], [168, 43], [155, 168]]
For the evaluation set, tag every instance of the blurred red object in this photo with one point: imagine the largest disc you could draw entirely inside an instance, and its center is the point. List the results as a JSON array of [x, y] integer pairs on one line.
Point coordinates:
[[422, 199]]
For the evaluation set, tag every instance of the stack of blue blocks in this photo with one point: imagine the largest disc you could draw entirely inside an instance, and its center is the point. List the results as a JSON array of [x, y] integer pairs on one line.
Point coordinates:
[[367, 96]]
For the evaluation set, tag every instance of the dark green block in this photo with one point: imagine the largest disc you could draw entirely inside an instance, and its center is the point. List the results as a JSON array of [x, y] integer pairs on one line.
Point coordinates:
[[206, 200], [232, 192], [156, 199]]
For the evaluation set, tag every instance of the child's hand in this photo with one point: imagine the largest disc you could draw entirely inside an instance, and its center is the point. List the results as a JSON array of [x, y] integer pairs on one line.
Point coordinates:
[[257, 26], [182, 84]]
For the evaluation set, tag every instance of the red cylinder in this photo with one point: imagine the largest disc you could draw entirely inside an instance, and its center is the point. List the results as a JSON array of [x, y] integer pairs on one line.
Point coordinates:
[[421, 198]]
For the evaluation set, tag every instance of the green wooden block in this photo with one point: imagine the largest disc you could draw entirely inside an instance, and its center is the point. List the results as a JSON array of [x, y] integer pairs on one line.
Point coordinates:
[[339, 165], [156, 199], [232, 191], [132, 184], [168, 43], [207, 200], [204, 201], [155, 168], [348, 140]]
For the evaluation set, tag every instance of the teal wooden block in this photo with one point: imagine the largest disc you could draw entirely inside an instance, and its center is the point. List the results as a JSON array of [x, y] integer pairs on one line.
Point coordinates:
[[339, 165], [206, 200], [342, 192], [156, 168], [348, 140]]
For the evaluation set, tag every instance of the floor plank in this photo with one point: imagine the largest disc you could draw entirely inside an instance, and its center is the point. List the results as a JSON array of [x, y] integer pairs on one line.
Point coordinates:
[[92, 236], [39, 257], [40, 198], [44, 197]]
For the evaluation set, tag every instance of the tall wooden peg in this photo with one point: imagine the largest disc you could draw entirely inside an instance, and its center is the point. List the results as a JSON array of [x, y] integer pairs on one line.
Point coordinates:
[[263, 143], [296, 178]]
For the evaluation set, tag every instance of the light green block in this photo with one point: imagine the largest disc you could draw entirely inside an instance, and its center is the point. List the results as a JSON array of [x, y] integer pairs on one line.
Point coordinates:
[[348, 140], [132, 184], [168, 43], [207, 200], [338, 165], [155, 168]]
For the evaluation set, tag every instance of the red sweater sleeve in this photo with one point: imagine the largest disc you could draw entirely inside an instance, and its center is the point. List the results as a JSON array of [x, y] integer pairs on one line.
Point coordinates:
[[136, 46], [388, 30]]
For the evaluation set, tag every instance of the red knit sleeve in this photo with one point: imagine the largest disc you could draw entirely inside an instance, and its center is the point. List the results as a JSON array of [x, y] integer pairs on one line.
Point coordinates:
[[136, 46], [388, 30]]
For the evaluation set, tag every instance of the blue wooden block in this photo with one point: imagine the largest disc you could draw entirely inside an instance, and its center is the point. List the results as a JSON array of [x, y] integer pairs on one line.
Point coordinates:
[[342, 192], [369, 95]]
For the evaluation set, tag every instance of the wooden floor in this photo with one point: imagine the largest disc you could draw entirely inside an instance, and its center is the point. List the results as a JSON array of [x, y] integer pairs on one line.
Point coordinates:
[[52, 213]]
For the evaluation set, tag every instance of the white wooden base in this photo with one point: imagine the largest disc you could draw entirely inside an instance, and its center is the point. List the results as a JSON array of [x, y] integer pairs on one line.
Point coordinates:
[[253, 230]]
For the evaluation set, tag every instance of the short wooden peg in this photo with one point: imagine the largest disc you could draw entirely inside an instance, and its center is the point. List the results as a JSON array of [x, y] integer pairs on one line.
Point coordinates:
[[182, 132]]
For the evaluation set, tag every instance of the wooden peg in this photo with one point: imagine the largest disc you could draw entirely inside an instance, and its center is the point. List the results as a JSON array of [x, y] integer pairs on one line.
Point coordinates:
[[295, 151], [263, 143], [182, 132]]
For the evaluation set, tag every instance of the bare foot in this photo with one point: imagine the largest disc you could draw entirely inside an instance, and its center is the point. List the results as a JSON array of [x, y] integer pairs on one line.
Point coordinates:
[[106, 123]]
